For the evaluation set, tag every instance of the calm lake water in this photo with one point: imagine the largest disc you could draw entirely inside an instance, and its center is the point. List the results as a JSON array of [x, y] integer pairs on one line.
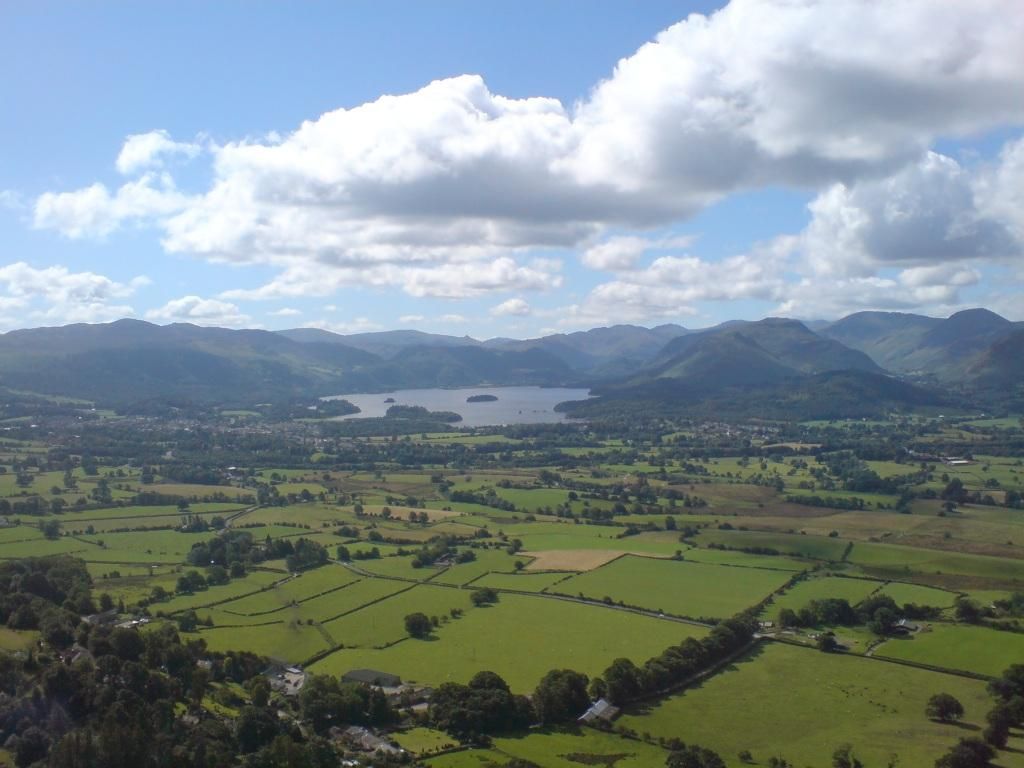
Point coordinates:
[[515, 405]]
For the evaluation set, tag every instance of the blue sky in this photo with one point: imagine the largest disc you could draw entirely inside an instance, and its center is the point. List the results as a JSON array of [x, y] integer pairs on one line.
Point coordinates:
[[233, 163]]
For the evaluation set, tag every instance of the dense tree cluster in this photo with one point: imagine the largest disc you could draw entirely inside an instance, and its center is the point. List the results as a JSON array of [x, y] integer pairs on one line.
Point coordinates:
[[623, 680], [485, 706], [136, 700], [48, 594]]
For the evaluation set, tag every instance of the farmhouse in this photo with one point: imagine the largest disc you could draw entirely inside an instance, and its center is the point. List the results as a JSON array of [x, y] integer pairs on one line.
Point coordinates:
[[105, 617], [372, 677], [602, 709], [366, 740], [286, 680]]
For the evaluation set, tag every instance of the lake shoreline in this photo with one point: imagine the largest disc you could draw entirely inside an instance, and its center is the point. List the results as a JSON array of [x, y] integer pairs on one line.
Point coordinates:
[[514, 404]]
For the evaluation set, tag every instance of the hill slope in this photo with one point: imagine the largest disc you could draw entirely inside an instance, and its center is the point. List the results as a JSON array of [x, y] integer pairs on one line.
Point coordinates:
[[607, 351], [130, 361], [924, 346]]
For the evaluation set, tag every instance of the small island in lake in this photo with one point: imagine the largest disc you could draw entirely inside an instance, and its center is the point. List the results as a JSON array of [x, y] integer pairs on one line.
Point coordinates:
[[419, 412], [481, 399], [390, 400]]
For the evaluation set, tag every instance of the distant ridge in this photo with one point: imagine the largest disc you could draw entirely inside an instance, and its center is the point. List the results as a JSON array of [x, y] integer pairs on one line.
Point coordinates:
[[943, 349], [132, 360]]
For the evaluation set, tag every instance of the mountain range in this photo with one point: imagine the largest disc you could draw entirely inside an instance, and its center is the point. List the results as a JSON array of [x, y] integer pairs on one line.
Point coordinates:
[[891, 358]]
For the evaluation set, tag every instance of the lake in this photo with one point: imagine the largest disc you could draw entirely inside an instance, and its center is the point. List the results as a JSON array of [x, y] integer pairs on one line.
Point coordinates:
[[515, 405]]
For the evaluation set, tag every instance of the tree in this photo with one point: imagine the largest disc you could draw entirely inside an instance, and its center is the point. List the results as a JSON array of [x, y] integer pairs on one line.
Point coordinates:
[[32, 745], [969, 753], [418, 625], [484, 596], [485, 706], [127, 643], [199, 685], [622, 681], [561, 696], [944, 707], [188, 621], [883, 621], [259, 690], [693, 756], [827, 642], [967, 611], [954, 491], [254, 728], [50, 529], [843, 757]]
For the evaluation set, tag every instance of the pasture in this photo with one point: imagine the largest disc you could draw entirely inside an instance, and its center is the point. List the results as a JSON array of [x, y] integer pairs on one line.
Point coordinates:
[[801, 704], [815, 547], [894, 560], [799, 595], [963, 647], [521, 638], [680, 588], [562, 748]]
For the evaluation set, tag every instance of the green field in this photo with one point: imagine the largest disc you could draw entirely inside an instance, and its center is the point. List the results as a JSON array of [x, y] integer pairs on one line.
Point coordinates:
[[680, 588], [521, 638], [973, 649], [287, 641], [727, 557], [17, 640], [568, 748], [817, 547], [252, 582], [384, 622], [915, 593], [799, 595], [523, 582], [487, 560], [893, 559], [802, 704]]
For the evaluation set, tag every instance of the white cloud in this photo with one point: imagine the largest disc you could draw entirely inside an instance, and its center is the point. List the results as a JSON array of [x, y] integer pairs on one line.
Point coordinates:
[[57, 295], [911, 241], [777, 91], [142, 151], [919, 289], [928, 212], [12, 200], [453, 319], [358, 325], [60, 285], [411, 319], [452, 281], [95, 212], [516, 307], [449, 190], [622, 252], [285, 312], [999, 190], [616, 253], [670, 286], [200, 311]]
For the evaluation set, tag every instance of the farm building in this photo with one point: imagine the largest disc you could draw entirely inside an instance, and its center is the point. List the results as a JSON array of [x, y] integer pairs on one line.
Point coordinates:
[[366, 740], [98, 619], [286, 680], [372, 677], [602, 709]]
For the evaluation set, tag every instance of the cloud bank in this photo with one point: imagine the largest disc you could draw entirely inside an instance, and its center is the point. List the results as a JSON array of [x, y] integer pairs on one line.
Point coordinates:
[[452, 191]]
